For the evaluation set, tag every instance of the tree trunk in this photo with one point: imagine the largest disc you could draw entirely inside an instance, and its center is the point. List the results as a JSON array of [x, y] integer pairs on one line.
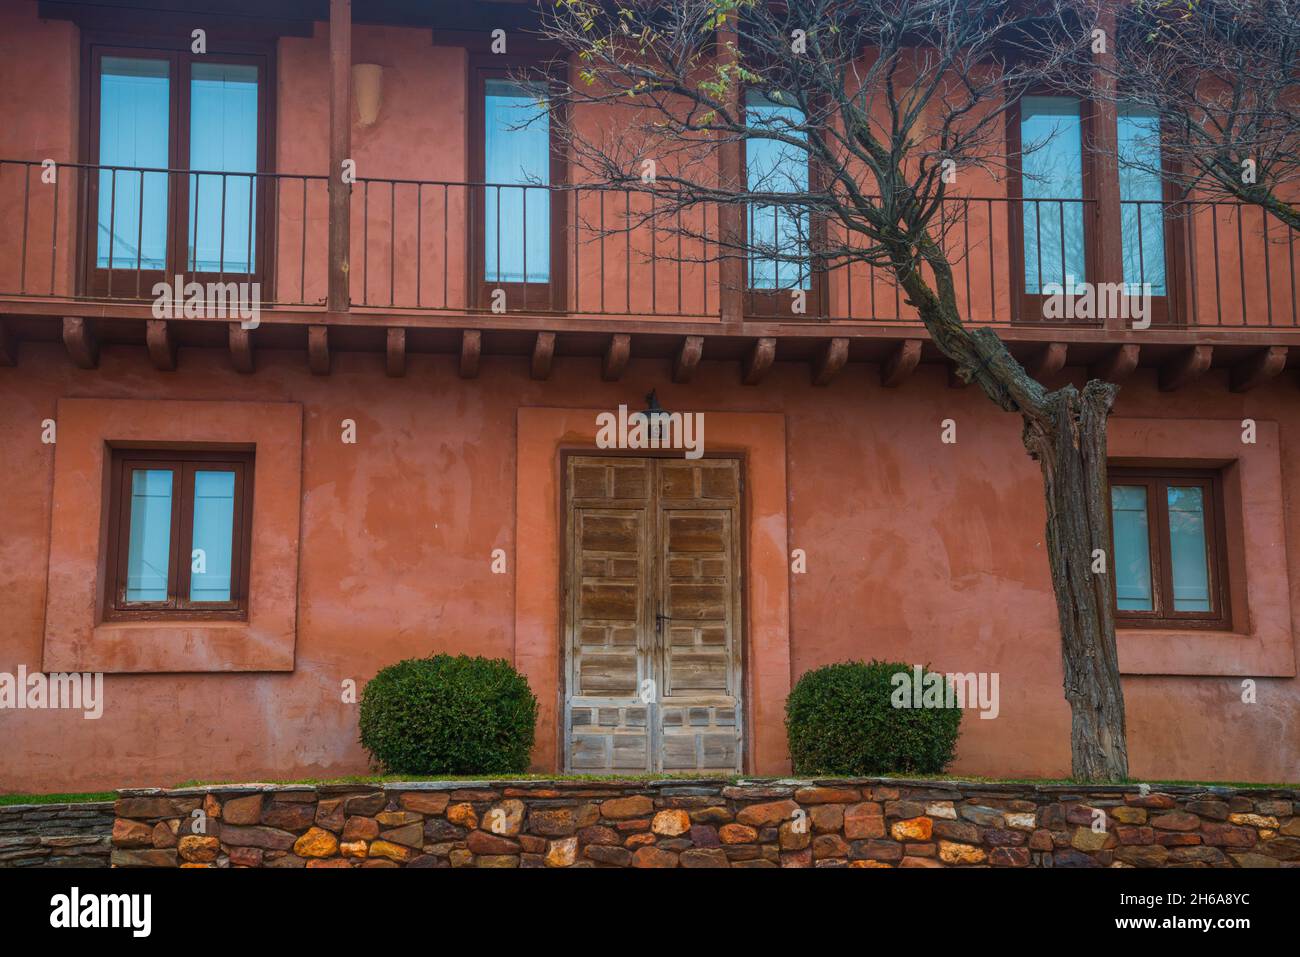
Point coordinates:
[[1070, 446]]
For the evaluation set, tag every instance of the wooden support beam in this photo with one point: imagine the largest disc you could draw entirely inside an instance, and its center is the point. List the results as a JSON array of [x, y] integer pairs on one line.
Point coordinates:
[[1187, 366], [395, 353], [318, 349], [162, 346], [80, 341], [688, 358], [759, 360], [8, 346], [1257, 369], [731, 175], [1117, 365], [617, 354], [902, 362], [471, 347], [241, 348], [1049, 361], [340, 112], [830, 360], [543, 355]]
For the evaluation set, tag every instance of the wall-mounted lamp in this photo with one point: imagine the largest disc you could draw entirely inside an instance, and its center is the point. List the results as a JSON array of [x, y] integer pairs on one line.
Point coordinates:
[[656, 415], [367, 91]]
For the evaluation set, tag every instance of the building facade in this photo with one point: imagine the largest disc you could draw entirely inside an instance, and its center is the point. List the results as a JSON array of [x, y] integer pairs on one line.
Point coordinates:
[[392, 446]]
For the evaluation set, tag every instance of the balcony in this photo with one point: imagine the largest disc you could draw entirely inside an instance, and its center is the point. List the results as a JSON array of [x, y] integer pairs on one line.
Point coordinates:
[[449, 257]]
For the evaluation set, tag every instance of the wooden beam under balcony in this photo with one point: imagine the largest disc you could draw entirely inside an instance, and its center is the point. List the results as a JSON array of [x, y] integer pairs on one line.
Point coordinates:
[[340, 225], [830, 360], [901, 363], [688, 358], [1118, 364], [1257, 369], [79, 339], [617, 354], [8, 346], [318, 349], [1185, 367], [241, 348], [759, 361], [543, 355], [161, 343], [1049, 361], [395, 353], [471, 348]]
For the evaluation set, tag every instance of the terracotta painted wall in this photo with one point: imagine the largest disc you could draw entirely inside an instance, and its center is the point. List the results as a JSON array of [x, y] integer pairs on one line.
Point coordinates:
[[916, 551]]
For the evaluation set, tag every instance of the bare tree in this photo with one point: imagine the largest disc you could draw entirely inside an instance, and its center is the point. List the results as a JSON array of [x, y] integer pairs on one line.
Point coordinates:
[[886, 99], [1221, 76]]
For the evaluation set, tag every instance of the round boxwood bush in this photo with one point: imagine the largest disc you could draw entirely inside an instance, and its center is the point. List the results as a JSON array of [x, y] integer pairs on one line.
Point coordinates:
[[449, 715], [841, 720]]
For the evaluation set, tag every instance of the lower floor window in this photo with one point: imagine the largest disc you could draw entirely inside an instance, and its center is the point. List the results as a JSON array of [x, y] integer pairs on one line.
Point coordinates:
[[179, 533], [1170, 566]]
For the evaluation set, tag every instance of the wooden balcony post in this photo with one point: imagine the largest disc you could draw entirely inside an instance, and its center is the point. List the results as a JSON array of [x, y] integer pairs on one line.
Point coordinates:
[[731, 265], [1104, 136], [340, 225]]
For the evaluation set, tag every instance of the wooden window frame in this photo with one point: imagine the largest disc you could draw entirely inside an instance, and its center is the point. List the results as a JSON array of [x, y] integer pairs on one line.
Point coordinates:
[[534, 296], [1167, 310], [183, 465], [115, 282], [1027, 307], [775, 303], [1156, 482]]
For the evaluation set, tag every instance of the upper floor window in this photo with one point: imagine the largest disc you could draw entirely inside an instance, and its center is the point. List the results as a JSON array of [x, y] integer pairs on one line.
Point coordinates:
[[517, 168], [1052, 192], [517, 225], [779, 235], [1141, 195], [179, 533], [1170, 566], [178, 139]]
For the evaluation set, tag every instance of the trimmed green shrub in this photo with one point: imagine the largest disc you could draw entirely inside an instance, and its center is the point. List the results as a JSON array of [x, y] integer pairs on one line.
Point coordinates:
[[841, 720], [449, 715]]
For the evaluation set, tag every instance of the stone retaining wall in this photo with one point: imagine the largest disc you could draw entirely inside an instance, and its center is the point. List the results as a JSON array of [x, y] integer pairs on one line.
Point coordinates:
[[56, 835], [675, 823]]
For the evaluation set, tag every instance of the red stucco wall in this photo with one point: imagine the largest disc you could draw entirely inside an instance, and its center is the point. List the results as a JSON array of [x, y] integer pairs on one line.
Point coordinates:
[[916, 551]]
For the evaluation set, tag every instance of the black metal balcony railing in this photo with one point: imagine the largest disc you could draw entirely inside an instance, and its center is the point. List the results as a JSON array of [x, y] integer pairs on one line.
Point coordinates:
[[84, 231]]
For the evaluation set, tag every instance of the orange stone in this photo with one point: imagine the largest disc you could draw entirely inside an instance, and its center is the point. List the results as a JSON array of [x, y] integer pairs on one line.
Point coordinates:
[[912, 829], [737, 834], [317, 842]]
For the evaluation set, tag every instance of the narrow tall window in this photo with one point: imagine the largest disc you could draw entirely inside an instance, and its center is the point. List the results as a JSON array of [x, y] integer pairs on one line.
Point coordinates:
[[1051, 171], [1169, 554], [778, 234], [516, 168], [134, 134], [180, 534], [1141, 192], [223, 139]]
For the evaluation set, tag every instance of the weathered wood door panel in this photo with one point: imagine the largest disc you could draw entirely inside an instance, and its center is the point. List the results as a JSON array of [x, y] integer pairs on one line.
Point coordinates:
[[652, 601]]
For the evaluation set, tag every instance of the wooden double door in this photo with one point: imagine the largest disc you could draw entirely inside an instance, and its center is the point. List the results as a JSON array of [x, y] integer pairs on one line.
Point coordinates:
[[652, 628]]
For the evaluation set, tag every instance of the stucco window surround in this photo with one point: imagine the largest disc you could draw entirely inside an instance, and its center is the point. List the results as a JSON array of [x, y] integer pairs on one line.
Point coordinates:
[[1260, 641], [760, 438], [76, 636]]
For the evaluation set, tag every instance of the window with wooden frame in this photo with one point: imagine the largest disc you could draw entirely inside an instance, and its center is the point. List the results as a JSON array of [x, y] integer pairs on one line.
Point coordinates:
[[179, 148], [1052, 205], [1170, 551], [780, 238], [179, 534], [517, 226], [1151, 243]]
